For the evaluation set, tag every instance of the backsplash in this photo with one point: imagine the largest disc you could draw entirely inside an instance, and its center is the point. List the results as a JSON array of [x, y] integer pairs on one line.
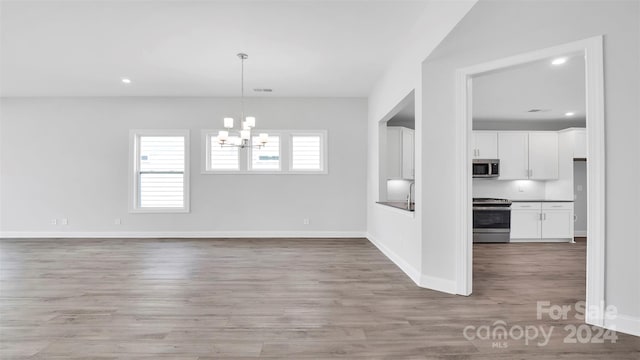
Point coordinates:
[[509, 189], [397, 190]]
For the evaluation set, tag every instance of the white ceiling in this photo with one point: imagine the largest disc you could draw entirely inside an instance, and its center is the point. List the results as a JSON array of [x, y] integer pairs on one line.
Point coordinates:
[[406, 116], [509, 94], [188, 48]]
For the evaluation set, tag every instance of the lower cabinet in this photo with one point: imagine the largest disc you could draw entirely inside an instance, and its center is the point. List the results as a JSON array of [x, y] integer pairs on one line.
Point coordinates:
[[546, 221]]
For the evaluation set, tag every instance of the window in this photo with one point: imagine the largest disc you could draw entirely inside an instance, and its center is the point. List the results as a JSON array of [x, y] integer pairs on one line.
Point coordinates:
[[306, 153], [222, 157], [160, 169], [286, 152], [268, 156]]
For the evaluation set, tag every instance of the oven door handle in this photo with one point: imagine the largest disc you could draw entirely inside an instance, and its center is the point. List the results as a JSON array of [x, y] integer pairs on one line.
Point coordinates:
[[502, 208]]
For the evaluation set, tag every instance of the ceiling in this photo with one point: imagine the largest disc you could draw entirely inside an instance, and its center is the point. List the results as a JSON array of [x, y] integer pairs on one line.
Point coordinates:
[[406, 116], [188, 48], [509, 94]]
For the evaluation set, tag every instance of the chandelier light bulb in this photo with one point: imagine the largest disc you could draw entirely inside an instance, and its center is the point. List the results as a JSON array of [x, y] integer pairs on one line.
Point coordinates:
[[251, 121], [228, 123], [223, 136]]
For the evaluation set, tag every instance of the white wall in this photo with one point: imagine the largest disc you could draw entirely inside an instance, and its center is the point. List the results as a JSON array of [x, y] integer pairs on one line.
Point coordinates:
[[68, 158], [395, 232], [497, 29]]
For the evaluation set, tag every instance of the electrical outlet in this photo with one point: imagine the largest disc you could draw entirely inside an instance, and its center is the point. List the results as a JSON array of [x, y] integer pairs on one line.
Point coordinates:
[[117, 221], [305, 221], [64, 221], [54, 222]]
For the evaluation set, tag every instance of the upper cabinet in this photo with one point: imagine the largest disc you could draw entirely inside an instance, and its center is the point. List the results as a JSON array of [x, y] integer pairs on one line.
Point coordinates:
[[579, 143], [528, 155], [513, 152], [408, 146], [400, 153], [485, 145], [543, 155]]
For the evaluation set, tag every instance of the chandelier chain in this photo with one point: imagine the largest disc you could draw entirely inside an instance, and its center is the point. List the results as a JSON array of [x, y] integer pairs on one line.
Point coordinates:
[[242, 58]]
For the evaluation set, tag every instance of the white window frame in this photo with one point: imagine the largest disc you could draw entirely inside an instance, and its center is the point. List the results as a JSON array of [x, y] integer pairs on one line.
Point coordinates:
[[245, 156], [249, 153], [134, 165], [205, 164], [323, 152]]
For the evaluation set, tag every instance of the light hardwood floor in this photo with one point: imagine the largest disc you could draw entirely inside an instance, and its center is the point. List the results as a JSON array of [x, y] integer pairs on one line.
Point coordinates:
[[275, 298]]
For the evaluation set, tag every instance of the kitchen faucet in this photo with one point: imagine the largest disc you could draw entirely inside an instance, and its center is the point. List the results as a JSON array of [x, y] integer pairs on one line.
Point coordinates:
[[411, 186]]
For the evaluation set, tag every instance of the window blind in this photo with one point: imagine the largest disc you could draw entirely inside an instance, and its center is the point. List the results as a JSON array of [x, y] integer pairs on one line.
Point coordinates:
[[267, 157], [161, 172], [306, 152], [223, 158]]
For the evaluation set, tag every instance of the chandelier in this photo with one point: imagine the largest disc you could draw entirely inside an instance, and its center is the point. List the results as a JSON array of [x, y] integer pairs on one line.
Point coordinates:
[[243, 139]]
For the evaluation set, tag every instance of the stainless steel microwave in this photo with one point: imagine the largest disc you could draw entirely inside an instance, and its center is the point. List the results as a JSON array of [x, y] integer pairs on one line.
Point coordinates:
[[486, 168]]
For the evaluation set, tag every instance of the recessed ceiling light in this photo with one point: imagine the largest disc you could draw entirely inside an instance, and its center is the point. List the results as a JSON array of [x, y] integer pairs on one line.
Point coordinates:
[[126, 80], [570, 113], [559, 61]]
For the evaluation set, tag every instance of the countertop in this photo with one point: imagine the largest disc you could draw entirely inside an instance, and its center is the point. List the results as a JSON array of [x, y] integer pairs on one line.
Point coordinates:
[[402, 205], [538, 200]]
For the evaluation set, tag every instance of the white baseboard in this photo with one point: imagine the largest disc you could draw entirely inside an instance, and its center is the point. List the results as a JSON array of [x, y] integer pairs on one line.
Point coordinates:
[[411, 271], [438, 284], [580, 233], [181, 234], [624, 324], [540, 240], [424, 281]]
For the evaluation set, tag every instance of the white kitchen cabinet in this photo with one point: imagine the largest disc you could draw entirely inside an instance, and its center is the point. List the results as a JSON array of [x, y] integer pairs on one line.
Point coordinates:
[[408, 146], [513, 152], [579, 143], [547, 221], [400, 153], [528, 155], [485, 145], [557, 220], [543, 155], [525, 221]]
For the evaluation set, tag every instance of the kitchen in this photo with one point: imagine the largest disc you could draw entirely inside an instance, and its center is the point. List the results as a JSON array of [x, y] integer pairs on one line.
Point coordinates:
[[397, 161], [529, 132]]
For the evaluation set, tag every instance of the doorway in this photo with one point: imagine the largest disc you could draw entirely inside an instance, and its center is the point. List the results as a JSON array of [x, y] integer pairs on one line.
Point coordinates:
[[592, 51]]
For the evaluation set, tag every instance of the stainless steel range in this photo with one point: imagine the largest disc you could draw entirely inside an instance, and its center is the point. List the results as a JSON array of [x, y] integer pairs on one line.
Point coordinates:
[[491, 220]]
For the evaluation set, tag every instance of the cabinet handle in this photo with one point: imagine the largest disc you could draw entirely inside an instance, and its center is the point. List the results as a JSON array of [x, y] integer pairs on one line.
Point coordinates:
[[540, 216], [556, 205], [525, 206]]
